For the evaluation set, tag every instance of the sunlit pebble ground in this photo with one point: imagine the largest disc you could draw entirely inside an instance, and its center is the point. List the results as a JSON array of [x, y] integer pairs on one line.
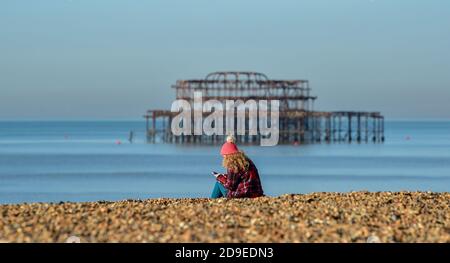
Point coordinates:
[[317, 217]]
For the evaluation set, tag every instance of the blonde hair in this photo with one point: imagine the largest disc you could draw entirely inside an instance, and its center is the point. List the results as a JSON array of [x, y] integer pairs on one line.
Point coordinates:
[[236, 162]]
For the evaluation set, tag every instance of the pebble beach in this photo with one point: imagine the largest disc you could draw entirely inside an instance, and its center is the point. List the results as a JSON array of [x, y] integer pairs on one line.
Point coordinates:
[[315, 217]]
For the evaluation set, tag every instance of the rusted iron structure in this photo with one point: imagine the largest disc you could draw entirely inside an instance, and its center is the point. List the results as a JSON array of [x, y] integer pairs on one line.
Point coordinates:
[[298, 121]]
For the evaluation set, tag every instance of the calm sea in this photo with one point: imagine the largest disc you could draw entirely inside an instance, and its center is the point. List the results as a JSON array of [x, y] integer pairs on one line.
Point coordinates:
[[82, 161]]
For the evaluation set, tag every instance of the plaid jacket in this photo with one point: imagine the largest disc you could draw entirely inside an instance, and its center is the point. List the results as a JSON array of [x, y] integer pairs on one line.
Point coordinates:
[[242, 184]]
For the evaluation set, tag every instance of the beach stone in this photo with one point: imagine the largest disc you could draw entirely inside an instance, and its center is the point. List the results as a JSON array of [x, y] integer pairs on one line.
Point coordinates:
[[73, 239], [315, 217], [373, 239]]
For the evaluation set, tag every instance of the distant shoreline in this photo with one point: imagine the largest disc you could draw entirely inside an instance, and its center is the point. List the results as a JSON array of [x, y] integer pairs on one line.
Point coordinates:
[[315, 217]]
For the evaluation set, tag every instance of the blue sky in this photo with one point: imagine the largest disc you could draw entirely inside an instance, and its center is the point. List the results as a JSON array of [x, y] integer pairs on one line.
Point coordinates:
[[114, 59]]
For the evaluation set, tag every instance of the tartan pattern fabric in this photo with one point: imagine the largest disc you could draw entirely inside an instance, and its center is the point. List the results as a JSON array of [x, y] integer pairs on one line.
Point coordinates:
[[242, 184]]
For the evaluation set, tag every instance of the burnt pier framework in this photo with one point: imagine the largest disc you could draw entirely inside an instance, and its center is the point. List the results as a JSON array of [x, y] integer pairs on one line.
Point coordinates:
[[298, 121]]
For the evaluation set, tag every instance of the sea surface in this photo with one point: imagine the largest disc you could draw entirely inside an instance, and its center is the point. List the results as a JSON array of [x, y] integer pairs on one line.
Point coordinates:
[[53, 161]]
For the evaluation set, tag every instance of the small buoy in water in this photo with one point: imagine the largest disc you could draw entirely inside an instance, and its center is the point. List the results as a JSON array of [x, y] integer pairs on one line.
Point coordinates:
[[118, 142], [296, 143], [66, 136], [408, 138]]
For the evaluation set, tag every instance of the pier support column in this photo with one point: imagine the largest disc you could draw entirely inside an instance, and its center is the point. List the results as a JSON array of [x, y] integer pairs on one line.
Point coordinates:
[[367, 129], [374, 129], [349, 127], [358, 131]]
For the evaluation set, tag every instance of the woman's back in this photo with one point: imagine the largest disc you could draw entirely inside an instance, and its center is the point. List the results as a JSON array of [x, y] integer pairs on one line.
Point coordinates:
[[243, 183]]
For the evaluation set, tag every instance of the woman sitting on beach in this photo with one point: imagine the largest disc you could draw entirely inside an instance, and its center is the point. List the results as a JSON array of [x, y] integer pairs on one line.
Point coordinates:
[[241, 179]]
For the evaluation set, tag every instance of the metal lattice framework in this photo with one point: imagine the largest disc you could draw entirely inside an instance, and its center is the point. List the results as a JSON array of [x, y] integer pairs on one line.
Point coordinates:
[[298, 121], [234, 85]]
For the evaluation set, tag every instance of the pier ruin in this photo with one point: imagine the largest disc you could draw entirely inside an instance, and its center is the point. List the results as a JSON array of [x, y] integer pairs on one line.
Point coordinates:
[[299, 122]]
